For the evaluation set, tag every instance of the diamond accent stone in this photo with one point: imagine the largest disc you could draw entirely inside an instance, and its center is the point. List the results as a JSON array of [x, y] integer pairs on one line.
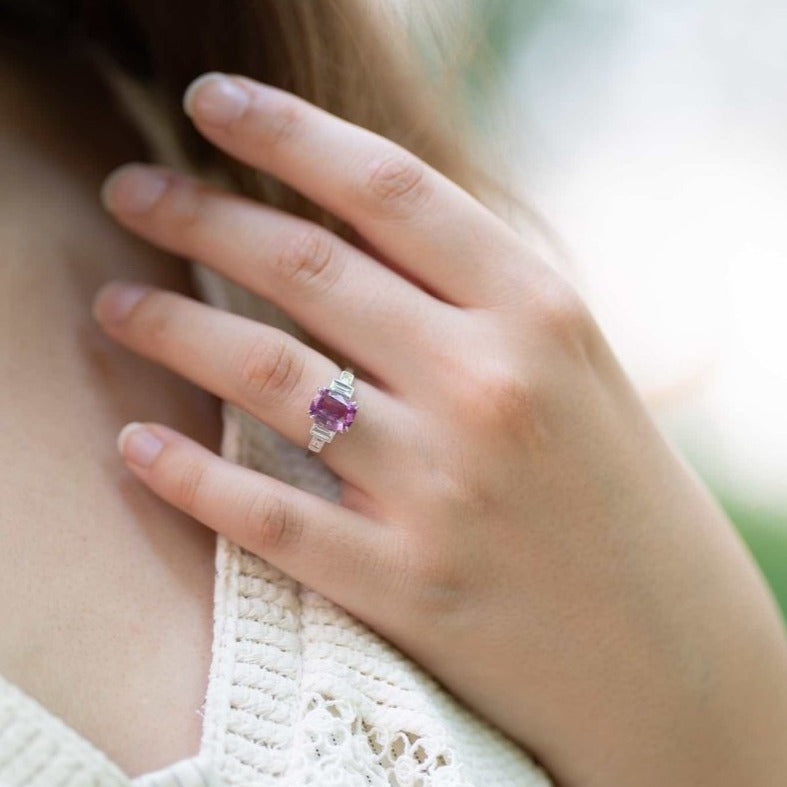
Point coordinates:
[[333, 410]]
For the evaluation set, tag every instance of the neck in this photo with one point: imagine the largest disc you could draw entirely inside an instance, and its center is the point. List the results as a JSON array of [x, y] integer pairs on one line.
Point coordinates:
[[59, 138], [61, 133]]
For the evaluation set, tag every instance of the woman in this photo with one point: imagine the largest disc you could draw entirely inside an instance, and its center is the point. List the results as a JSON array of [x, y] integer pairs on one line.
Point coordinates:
[[501, 516]]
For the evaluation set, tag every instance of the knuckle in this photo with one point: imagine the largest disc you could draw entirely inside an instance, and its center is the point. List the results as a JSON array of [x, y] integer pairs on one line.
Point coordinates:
[[509, 395], [269, 368], [561, 314], [396, 184], [436, 579], [191, 481], [514, 407], [307, 260], [506, 402], [271, 524], [467, 492]]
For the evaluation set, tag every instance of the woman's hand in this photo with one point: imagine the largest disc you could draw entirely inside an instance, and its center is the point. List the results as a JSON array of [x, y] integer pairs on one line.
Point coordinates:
[[510, 516]]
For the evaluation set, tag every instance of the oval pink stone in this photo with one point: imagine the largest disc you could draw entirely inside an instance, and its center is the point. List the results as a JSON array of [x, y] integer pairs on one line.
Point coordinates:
[[332, 410]]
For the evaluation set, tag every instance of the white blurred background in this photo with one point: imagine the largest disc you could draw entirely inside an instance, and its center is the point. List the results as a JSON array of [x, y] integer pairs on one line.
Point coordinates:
[[654, 139], [652, 135]]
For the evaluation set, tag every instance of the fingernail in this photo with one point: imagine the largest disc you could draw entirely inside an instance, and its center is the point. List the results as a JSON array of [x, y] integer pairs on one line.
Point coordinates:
[[114, 301], [215, 99], [133, 188], [138, 445]]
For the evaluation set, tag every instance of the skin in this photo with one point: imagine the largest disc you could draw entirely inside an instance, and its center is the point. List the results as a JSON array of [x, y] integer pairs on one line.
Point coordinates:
[[510, 516], [92, 634]]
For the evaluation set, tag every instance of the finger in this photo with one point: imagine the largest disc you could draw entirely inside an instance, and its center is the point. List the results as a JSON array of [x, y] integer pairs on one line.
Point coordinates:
[[339, 294], [262, 369], [410, 212], [338, 552]]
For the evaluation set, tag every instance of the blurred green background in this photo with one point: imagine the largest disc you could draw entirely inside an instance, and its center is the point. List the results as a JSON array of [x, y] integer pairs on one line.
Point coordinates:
[[765, 532]]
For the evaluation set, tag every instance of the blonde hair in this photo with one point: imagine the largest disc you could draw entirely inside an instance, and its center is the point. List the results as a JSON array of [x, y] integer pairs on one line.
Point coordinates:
[[395, 67]]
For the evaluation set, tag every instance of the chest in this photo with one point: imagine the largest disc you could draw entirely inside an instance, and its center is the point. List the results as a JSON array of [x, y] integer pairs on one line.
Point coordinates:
[[104, 588]]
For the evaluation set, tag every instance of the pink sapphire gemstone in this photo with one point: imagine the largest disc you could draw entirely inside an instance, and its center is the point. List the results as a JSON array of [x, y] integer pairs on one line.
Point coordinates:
[[332, 410]]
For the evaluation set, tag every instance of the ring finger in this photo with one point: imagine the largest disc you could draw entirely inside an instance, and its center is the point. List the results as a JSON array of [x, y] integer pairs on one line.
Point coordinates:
[[262, 369]]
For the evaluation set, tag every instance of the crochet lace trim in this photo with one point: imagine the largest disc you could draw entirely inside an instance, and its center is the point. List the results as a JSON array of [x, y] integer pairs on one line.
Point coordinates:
[[303, 693]]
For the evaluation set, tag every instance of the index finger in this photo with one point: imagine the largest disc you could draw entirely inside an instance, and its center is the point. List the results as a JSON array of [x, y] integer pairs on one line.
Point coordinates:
[[414, 215]]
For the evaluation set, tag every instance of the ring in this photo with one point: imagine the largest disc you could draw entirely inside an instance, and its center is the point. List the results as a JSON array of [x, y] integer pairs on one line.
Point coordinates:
[[332, 411]]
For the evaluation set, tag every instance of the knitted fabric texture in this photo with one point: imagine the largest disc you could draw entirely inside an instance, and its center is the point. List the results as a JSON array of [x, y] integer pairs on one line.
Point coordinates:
[[302, 692]]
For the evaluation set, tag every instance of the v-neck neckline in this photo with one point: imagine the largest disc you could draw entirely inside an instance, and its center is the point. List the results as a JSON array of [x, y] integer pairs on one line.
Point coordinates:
[[37, 727]]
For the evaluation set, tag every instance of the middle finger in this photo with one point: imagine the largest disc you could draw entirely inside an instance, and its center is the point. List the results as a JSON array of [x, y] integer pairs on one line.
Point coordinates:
[[349, 300]]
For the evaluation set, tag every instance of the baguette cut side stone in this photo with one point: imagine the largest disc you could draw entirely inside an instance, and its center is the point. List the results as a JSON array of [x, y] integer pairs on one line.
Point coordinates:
[[332, 410]]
